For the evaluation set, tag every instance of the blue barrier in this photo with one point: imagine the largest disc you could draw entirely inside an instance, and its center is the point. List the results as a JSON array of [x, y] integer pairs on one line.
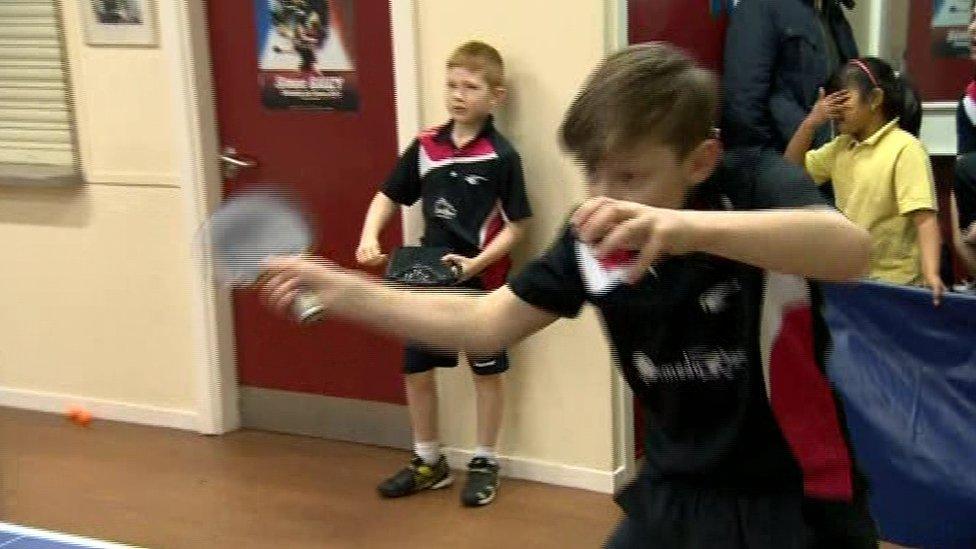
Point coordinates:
[[906, 372]]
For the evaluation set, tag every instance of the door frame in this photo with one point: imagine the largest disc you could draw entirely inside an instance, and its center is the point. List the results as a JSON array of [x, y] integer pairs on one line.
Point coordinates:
[[622, 398], [184, 26]]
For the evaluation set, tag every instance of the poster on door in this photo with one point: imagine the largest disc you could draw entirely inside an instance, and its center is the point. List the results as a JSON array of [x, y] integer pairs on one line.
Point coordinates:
[[951, 13], [950, 38], [305, 55]]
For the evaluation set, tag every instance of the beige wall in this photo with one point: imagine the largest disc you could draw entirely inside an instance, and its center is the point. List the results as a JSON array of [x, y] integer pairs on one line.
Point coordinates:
[[95, 277], [101, 274], [559, 391]]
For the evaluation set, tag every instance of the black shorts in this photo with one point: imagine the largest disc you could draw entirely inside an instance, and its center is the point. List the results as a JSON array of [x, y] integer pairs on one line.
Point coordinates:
[[418, 359], [673, 516]]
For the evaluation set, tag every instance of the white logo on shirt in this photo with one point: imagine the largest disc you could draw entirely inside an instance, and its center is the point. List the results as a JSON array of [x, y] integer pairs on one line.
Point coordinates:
[[697, 364], [716, 299], [474, 179], [444, 210], [600, 279]]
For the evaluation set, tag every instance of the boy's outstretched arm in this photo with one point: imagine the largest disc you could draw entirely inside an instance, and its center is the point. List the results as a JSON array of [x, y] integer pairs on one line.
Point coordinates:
[[482, 325], [817, 243]]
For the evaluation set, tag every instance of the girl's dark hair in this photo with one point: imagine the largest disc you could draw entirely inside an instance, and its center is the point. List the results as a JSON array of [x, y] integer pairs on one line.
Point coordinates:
[[900, 98]]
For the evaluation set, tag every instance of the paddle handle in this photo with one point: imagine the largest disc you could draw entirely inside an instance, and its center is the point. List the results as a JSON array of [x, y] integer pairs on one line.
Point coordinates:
[[308, 308]]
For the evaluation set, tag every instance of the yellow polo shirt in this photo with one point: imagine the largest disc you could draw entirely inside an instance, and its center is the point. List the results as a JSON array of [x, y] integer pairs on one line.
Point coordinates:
[[878, 183]]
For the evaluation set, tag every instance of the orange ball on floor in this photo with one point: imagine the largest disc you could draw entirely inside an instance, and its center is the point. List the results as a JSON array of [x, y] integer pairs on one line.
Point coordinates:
[[79, 416]]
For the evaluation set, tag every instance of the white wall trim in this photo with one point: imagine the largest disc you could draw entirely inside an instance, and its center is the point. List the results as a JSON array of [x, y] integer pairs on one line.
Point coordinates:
[[876, 12], [133, 179], [939, 127], [547, 472], [183, 31], [623, 429], [618, 25], [618, 36], [623, 476], [406, 70], [406, 87], [58, 403]]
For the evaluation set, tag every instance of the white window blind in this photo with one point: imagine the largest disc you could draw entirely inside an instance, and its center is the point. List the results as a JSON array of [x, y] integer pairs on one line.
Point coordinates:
[[35, 117]]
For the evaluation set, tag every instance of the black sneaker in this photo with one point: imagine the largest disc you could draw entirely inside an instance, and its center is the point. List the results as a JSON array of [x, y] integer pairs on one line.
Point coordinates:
[[482, 485], [416, 477]]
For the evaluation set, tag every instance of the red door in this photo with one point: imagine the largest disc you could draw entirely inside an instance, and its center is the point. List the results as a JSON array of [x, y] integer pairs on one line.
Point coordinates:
[[305, 88], [698, 27]]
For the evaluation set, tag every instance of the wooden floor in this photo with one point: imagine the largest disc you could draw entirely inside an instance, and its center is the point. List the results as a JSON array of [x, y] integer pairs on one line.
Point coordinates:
[[162, 488]]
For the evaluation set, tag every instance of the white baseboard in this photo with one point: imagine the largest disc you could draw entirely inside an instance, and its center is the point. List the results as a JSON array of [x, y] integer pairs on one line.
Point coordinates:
[[557, 474], [39, 401], [331, 418], [623, 476], [388, 425]]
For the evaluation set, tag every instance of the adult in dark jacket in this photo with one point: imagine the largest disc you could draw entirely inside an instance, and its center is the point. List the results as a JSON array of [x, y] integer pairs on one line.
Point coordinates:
[[778, 54], [965, 180]]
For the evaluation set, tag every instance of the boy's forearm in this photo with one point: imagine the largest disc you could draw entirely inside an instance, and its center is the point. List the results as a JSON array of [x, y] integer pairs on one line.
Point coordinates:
[[816, 243], [381, 209], [501, 245], [930, 241], [800, 143], [447, 321]]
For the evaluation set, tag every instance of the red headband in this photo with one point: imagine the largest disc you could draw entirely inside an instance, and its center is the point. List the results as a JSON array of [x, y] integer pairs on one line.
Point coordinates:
[[864, 67]]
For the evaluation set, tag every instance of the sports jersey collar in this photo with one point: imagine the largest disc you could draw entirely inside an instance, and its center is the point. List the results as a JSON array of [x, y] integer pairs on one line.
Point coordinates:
[[444, 133], [873, 140]]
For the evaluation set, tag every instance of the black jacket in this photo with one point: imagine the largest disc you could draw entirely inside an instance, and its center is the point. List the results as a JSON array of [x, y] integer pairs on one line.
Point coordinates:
[[965, 131], [775, 62]]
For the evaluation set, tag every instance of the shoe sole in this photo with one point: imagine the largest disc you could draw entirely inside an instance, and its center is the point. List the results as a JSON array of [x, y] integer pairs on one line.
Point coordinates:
[[483, 502], [443, 483]]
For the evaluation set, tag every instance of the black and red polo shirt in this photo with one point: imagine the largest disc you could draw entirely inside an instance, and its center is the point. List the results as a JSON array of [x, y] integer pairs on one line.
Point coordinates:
[[727, 360], [467, 192]]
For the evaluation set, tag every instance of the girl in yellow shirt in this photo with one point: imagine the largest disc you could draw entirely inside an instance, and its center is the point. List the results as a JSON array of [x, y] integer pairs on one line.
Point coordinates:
[[881, 173]]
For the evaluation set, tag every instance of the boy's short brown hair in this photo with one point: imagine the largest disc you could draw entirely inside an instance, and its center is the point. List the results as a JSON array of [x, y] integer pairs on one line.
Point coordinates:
[[649, 91], [478, 56]]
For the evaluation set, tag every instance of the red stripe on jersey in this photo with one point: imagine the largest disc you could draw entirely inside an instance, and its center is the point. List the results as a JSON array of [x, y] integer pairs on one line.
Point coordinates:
[[619, 258], [438, 150], [435, 149], [805, 410], [479, 147], [494, 276]]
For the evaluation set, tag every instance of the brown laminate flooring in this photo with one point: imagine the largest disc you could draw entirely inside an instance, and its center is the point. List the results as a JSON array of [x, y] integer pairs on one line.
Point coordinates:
[[162, 488]]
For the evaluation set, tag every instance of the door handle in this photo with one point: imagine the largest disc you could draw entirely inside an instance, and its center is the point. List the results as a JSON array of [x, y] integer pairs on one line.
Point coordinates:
[[231, 163]]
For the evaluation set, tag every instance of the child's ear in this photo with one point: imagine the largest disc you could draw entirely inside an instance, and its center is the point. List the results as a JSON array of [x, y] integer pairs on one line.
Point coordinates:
[[701, 162], [876, 99], [498, 95]]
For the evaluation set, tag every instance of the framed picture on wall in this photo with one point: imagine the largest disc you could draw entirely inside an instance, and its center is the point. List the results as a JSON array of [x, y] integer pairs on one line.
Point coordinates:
[[119, 22]]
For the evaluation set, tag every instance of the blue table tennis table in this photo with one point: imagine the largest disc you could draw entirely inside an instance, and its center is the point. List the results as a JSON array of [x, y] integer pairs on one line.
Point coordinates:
[[21, 537]]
